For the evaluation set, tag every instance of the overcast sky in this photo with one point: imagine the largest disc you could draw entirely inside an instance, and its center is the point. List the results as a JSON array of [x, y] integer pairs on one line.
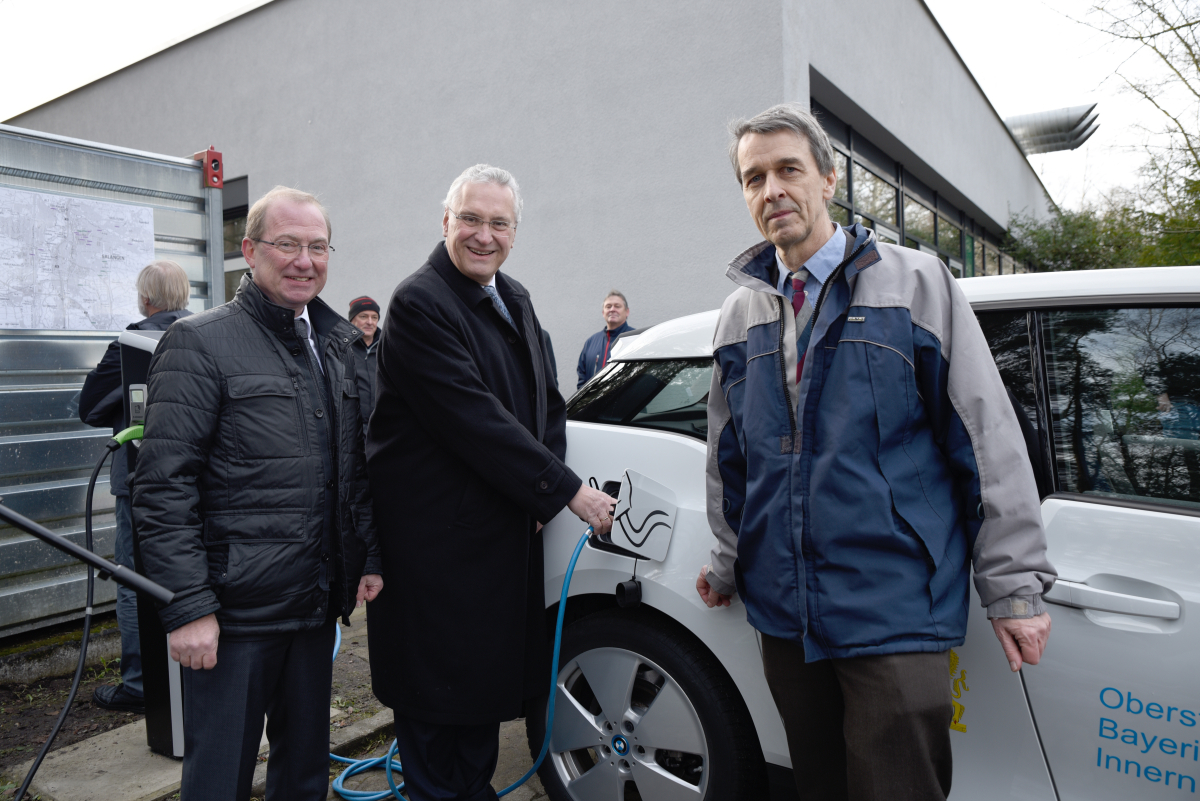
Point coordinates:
[[1027, 56]]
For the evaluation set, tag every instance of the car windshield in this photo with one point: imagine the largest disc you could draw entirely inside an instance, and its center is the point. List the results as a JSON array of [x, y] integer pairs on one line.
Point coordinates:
[[669, 395]]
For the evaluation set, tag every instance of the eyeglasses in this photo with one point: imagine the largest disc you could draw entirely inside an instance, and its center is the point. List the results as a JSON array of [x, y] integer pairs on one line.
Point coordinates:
[[317, 250], [498, 226]]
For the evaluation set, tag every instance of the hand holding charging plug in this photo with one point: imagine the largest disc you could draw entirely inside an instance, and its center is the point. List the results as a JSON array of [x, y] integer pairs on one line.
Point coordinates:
[[593, 507], [194, 644]]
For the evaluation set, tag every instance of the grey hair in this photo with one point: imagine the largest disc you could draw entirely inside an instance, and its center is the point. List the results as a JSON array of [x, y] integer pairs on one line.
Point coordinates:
[[785, 117], [256, 220], [164, 285], [613, 293], [484, 174]]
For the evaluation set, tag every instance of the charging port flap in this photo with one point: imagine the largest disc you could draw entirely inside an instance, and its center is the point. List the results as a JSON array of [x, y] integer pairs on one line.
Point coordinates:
[[645, 517]]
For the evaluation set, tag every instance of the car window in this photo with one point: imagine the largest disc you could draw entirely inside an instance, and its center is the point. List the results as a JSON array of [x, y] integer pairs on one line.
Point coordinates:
[[1124, 396], [669, 395], [1007, 334]]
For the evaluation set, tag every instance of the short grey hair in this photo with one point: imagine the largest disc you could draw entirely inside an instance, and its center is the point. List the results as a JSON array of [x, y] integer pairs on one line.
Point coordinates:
[[785, 117], [613, 293], [164, 285], [484, 174], [256, 219]]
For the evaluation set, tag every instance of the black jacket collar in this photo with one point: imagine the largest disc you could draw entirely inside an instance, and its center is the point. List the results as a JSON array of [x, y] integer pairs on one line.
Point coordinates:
[[160, 319], [469, 291], [325, 321]]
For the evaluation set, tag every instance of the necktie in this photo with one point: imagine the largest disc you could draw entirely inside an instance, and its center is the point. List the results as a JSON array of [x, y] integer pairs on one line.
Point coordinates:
[[302, 333], [804, 319], [499, 304]]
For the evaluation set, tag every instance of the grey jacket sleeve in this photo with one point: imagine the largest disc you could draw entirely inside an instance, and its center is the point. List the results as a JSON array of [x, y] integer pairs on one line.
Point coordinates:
[[720, 432], [984, 442]]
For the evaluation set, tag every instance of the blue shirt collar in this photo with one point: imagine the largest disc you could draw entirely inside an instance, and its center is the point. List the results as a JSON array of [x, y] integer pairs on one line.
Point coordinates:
[[821, 264]]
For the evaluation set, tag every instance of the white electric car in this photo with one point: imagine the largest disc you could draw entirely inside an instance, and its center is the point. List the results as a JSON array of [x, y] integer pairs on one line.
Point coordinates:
[[666, 700]]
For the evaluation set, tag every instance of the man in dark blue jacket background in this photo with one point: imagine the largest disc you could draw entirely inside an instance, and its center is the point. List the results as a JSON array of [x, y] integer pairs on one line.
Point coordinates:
[[598, 347], [163, 290]]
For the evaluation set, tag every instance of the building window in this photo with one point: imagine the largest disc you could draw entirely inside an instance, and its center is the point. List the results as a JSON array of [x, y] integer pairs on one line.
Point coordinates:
[[874, 196], [839, 213], [841, 165], [949, 236], [988, 259], [235, 230], [918, 220]]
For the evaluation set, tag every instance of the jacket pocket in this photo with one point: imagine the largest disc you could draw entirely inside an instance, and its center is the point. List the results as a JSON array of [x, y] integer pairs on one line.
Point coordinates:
[[266, 416], [914, 468], [272, 526]]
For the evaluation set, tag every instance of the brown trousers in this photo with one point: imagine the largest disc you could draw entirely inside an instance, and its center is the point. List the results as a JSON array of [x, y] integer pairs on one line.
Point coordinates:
[[873, 728]]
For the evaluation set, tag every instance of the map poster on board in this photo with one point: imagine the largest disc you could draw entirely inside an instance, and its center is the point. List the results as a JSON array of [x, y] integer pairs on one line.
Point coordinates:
[[71, 263]]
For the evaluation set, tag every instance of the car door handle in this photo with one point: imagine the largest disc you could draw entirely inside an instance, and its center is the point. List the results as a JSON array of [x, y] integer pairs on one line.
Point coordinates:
[[1081, 596]]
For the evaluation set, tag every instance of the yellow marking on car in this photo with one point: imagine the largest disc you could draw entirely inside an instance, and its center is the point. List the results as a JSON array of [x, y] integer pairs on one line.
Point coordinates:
[[958, 686]]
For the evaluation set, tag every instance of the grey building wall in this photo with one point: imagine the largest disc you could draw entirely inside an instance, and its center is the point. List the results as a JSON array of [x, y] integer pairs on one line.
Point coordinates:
[[891, 72], [611, 115]]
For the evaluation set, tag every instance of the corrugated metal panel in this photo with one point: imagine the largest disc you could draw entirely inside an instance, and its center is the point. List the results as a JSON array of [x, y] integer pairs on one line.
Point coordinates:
[[46, 453]]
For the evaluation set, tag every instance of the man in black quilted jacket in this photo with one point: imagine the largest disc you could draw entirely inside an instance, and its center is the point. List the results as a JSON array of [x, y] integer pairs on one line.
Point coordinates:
[[251, 503]]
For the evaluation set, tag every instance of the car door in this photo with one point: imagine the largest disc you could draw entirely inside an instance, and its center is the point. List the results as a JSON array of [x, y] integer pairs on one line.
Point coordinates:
[[1116, 698]]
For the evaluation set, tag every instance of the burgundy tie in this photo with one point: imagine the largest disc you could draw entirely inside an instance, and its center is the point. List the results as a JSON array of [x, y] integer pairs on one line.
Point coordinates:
[[798, 300]]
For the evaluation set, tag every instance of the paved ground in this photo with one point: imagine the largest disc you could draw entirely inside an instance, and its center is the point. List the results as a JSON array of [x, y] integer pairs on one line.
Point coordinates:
[[101, 756], [514, 761]]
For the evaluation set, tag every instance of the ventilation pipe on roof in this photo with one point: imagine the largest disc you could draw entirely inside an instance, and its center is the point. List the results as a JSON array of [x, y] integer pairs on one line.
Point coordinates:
[[1048, 131]]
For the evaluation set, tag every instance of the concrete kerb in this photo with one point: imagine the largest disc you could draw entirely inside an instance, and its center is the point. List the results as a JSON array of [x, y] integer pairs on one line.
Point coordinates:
[[117, 765], [58, 659]]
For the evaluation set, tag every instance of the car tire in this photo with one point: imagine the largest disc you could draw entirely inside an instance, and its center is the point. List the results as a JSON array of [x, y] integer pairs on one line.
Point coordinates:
[[675, 728]]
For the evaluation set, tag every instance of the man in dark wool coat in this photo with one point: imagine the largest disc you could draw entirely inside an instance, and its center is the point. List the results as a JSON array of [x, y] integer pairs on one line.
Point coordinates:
[[465, 456]]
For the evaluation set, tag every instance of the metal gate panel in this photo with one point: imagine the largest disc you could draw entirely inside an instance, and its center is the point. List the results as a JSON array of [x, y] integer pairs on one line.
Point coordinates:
[[46, 453]]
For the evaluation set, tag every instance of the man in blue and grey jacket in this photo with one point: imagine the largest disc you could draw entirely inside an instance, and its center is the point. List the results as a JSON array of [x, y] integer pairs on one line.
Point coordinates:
[[862, 454]]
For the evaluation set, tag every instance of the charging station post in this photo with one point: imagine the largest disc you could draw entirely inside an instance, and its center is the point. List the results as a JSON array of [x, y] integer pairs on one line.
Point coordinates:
[[162, 682]]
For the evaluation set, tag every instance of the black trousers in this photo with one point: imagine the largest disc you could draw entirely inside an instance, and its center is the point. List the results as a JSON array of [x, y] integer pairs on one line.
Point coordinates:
[[874, 728], [445, 762], [287, 677]]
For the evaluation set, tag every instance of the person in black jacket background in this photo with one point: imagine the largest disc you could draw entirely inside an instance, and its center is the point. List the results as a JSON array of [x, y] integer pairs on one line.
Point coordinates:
[[364, 315], [465, 455], [251, 503], [163, 289]]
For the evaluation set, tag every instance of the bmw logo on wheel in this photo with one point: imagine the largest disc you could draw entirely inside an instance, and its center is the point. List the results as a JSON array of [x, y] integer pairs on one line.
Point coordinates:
[[620, 745]]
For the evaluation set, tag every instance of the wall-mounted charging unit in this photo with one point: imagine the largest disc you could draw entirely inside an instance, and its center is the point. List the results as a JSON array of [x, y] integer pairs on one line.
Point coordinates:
[[136, 403], [162, 681]]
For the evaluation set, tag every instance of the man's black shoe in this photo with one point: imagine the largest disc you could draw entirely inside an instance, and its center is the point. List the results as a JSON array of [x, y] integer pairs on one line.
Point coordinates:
[[116, 697]]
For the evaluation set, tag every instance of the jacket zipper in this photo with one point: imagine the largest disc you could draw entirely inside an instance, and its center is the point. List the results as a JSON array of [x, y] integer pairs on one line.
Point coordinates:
[[787, 396], [837, 273], [816, 311]]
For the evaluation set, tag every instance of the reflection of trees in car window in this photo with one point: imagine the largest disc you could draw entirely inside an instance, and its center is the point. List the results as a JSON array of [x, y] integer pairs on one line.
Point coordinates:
[[669, 395], [1118, 429], [1007, 334]]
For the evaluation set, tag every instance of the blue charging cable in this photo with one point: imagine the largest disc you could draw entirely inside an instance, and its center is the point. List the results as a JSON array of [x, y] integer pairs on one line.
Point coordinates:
[[392, 765]]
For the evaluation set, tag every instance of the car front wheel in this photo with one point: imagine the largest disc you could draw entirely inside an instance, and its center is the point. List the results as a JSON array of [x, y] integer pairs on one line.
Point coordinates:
[[645, 713]]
